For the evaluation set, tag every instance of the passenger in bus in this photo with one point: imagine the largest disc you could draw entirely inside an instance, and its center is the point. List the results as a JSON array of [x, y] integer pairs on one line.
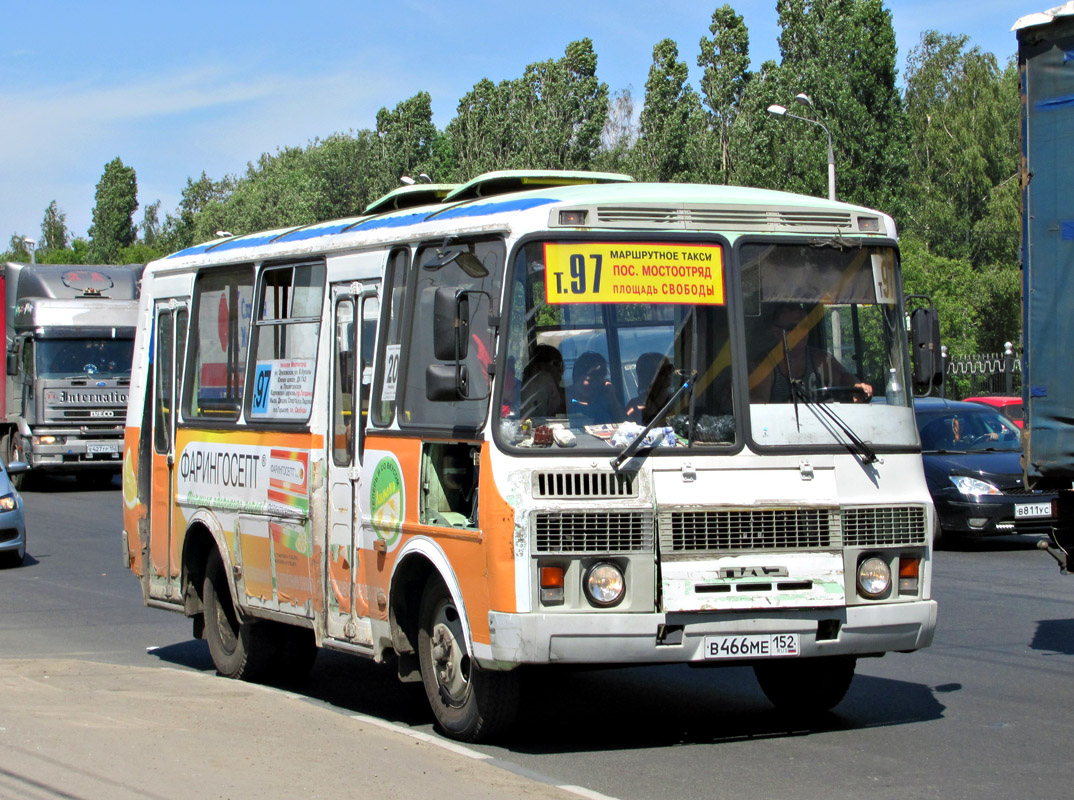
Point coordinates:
[[592, 394], [654, 373], [542, 384], [789, 324]]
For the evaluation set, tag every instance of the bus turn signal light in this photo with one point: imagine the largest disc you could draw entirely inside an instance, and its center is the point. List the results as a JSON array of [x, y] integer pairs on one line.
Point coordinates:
[[909, 574], [551, 586]]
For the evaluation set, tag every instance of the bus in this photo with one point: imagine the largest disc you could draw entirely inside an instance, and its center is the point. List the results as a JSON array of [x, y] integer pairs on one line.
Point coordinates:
[[537, 419]]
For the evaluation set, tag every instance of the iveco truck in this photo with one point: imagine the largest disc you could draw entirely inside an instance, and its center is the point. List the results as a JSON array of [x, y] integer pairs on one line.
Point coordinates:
[[70, 334]]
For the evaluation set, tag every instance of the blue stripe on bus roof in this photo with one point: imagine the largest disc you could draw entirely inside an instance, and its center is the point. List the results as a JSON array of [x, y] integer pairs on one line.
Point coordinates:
[[373, 223]]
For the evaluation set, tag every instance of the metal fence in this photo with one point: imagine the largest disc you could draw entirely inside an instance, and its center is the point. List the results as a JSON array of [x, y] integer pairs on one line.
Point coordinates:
[[972, 375]]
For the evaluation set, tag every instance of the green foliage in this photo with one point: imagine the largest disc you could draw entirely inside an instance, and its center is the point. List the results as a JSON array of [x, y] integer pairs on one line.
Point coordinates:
[[116, 201], [726, 60], [54, 229], [550, 118], [963, 115], [670, 120]]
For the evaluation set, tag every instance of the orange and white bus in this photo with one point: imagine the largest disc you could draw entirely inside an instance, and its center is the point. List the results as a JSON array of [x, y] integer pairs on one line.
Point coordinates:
[[536, 419]]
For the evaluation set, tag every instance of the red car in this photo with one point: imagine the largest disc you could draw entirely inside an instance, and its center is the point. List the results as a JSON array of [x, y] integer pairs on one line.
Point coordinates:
[[1010, 407]]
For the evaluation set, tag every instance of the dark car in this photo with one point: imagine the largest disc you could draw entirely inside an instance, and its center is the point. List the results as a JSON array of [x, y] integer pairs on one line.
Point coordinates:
[[972, 456]]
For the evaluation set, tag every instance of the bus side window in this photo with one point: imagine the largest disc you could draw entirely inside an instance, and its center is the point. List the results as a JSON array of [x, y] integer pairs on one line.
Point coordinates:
[[389, 354], [219, 339], [449, 485]]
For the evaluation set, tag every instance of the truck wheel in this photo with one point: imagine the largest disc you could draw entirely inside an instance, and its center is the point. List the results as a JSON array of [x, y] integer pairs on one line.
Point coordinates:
[[808, 685], [9, 451], [469, 703], [236, 648]]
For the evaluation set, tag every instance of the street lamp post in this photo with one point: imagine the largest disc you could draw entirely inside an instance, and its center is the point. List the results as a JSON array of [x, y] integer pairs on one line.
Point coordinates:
[[803, 99], [31, 245]]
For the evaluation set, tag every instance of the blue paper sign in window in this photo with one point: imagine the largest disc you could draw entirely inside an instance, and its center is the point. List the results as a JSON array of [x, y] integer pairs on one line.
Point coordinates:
[[262, 381]]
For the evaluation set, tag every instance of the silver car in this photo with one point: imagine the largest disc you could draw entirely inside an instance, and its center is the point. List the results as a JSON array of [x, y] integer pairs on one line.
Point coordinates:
[[12, 520]]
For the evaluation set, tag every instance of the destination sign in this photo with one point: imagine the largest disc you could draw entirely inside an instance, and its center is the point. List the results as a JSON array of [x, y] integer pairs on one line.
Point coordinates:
[[633, 272]]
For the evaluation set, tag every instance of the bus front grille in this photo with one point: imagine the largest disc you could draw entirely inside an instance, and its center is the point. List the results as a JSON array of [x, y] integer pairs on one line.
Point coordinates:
[[743, 530], [878, 526], [565, 485], [696, 531], [593, 532]]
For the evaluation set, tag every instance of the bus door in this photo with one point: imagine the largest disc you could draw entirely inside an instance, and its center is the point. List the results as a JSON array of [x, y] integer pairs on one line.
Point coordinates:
[[355, 313], [169, 355]]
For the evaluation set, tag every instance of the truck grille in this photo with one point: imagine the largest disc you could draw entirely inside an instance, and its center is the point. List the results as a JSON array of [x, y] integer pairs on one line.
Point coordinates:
[[593, 532]]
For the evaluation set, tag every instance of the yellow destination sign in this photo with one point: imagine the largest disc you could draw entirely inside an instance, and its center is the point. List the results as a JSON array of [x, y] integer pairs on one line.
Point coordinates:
[[633, 272]]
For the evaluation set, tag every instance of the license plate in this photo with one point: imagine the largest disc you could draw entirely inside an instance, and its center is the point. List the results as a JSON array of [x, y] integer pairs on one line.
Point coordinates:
[[102, 448], [754, 645], [1027, 510]]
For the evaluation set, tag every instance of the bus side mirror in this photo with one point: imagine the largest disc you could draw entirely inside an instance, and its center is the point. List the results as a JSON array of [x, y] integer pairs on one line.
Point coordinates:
[[925, 348], [12, 363], [447, 382], [451, 324]]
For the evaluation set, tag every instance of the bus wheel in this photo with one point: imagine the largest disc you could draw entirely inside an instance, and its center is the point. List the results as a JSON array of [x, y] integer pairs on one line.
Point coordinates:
[[232, 642], [470, 704], [808, 685]]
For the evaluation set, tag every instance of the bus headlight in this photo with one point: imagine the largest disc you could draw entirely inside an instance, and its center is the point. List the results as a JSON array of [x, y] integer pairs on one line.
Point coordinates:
[[604, 585], [874, 578]]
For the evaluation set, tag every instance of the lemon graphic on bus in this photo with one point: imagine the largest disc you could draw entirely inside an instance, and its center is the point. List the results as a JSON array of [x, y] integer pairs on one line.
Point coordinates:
[[130, 481], [387, 500]]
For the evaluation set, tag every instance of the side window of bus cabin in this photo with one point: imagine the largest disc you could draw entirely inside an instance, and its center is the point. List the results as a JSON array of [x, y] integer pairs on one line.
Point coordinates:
[[219, 338], [386, 377], [286, 327], [473, 267]]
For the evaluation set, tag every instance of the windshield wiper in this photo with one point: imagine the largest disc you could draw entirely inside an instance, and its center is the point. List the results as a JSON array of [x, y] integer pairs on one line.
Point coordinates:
[[857, 445], [631, 448]]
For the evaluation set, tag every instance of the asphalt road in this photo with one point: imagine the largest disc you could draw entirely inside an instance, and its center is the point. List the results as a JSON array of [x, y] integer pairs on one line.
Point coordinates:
[[984, 713]]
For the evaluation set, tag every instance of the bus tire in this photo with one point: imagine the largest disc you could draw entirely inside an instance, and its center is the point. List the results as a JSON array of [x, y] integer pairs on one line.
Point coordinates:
[[806, 686], [236, 649], [470, 704]]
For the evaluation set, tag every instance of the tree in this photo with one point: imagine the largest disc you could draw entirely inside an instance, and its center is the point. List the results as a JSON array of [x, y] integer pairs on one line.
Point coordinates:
[[54, 228], [150, 226], [479, 135], [963, 115], [670, 120], [558, 110], [842, 53], [725, 59], [179, 230], [406, 136], [116, 200]]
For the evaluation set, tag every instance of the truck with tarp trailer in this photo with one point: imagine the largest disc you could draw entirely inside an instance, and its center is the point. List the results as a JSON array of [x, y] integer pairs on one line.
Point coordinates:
[[1046, 81]]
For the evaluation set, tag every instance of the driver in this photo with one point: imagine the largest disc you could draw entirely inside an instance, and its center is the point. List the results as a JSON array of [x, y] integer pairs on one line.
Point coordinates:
[[790, 323]]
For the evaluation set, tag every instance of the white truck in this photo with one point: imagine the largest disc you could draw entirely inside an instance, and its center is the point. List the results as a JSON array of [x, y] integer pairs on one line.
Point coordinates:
[[69, 341]]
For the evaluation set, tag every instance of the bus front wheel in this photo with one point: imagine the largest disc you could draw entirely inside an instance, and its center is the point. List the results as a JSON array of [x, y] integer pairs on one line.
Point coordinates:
[[232, 642], [469, 703], [808, 685]]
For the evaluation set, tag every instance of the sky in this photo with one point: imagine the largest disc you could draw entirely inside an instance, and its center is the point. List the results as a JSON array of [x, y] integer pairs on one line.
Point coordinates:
[[177, 89]]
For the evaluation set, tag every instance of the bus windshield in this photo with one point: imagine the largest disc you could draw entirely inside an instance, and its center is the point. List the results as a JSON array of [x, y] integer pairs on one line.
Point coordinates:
[[826, 345], [601, 337]]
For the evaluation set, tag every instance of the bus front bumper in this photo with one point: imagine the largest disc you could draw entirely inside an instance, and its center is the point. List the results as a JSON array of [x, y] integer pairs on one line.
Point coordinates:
[[540, 638]]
